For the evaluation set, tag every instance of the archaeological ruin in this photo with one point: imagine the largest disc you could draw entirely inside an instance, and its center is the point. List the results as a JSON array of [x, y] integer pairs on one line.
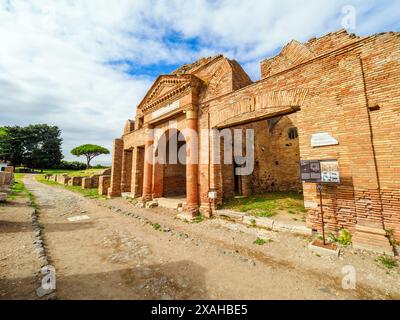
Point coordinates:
[[333, 98]]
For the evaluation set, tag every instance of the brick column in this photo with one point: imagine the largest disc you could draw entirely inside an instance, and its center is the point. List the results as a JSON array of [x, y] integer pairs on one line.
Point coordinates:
[[135, 171], [148, 166], [126, 171], [158, 181], [192, 163], [116, 170]]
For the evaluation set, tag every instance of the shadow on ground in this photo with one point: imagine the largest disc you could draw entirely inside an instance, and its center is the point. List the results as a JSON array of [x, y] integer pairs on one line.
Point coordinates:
[[169, 281]]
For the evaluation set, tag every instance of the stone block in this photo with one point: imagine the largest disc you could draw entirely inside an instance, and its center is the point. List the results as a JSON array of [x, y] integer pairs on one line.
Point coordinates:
[[104, 184], [63, 179], [106, 172], [259, 222], [6, 178], [75, 181], [151, 204], [291, 227], [3, 196], [324, 250], [239, 216], [86, 183], [95, 180]]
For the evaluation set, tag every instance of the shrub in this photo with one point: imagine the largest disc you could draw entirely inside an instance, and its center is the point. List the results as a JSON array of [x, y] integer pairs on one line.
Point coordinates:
[[260, 242], [387, 262], [344, 238], [71, 165]]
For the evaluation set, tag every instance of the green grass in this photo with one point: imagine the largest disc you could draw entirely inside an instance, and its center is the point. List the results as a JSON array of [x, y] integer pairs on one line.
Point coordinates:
[[199, 218], [74, 173], [387, 262], [18, 189], [157, 226], [260, 242], [267, 205], [89, 193]]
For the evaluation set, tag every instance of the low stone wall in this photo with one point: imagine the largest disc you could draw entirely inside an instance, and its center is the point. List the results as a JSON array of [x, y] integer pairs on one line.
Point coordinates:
[[75, 181], [63, 179], [95, 180], [6, 178], [9, 169], [104, 184], [6, 181], [105, 172], [86, 183]]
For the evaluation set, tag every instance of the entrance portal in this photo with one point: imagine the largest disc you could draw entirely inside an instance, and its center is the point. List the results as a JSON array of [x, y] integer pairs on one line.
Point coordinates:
[[170, 175]]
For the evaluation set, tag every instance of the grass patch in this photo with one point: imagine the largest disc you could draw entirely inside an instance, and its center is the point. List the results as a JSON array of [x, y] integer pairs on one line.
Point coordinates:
[[199, 218], [267, 205], [387, 262], [89, 193], [18, 189], [344, 237], [74, 173], [156, 226], [260, 242]]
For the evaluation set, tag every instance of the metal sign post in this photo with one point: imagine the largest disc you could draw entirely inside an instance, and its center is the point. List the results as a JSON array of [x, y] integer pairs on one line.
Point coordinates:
[[320, 188], [320, 172]]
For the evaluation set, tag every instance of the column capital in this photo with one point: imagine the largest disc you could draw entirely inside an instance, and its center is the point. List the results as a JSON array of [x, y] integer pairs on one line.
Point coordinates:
[[190, 111]]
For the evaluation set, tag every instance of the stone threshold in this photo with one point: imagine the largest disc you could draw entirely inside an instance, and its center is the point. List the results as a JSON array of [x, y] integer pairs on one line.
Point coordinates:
[[260, 222]]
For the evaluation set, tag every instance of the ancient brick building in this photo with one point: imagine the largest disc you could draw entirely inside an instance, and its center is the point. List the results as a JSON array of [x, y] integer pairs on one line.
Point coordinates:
[[340, 84]]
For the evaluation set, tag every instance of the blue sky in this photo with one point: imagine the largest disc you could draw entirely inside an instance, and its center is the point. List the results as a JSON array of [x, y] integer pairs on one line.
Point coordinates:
[[84, 65]]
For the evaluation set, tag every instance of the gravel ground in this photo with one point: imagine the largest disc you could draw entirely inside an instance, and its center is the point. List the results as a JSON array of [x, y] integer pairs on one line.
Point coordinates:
[[122, 252]]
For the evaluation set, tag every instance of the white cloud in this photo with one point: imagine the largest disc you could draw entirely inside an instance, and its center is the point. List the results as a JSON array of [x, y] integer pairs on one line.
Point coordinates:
[[55, 55]]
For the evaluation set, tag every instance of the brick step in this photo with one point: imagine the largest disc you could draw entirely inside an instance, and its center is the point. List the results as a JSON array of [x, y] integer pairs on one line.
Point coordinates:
[[171, 203]]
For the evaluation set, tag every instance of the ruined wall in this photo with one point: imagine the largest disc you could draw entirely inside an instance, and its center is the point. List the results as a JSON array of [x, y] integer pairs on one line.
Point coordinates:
[[351, 94], [276, 159], [296, 53], [381, 65], [331, 93]]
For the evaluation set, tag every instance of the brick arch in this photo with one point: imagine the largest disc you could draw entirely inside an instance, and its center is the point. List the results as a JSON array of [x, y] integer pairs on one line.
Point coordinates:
[[264, 105]]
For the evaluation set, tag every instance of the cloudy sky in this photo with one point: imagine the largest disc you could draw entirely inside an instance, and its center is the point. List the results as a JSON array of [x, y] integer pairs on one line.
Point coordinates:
[[84, 65]]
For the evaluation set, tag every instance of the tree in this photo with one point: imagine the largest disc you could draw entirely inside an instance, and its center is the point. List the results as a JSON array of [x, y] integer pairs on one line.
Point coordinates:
[[90, 151], [43, 147], [12, 144], [35, 146]]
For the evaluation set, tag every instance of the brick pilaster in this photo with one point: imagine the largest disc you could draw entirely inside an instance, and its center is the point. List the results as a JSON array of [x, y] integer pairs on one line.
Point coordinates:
[[126, 177], [116, 170], [192, 163]]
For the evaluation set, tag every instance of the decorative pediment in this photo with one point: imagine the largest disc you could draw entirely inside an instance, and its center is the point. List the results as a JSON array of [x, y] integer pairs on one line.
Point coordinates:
[[165, 88]]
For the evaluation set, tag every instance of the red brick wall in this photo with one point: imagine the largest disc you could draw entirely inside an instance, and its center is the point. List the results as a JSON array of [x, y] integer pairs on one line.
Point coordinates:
[[336, 91], [334, 83]]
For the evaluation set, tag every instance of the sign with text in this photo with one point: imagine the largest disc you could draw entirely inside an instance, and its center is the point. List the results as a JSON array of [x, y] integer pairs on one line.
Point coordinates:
[[320, 171]]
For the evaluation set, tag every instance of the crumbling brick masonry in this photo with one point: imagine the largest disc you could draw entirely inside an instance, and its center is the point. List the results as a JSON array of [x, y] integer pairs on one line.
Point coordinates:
[[340, 84]]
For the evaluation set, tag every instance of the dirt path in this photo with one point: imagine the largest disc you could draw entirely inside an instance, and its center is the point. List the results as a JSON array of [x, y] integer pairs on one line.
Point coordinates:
[[19, 264], [122, 253]]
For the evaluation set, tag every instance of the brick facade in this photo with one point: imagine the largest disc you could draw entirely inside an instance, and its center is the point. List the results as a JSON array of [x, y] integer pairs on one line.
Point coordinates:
[[340, 84]]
